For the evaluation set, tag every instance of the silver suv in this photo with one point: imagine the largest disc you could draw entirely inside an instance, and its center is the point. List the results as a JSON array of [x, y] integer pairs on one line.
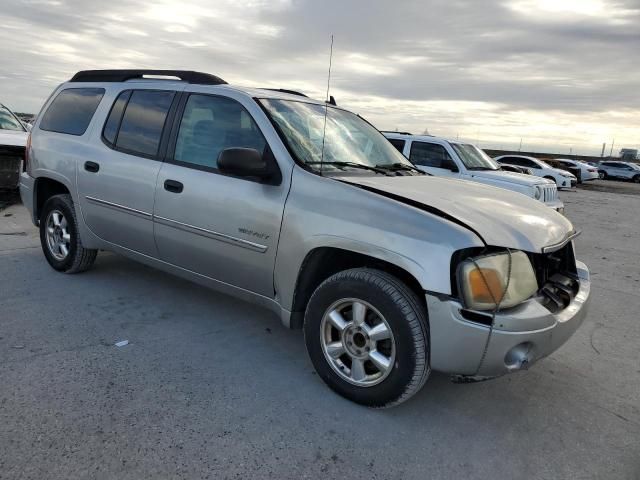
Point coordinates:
[[308, 210]]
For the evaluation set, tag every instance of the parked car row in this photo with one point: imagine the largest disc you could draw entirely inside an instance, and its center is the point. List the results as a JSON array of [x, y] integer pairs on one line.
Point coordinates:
[[581, 170], [562, 178], [454, 159], [305, 208]]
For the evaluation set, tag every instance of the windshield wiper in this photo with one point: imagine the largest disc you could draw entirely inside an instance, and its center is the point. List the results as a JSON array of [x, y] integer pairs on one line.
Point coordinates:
[[394, 167], [352, 165], [482, 168]]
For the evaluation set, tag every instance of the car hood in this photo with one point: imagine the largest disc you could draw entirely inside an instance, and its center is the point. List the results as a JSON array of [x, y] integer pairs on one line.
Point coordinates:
[[511, 177], [500, 217], [13, 138]]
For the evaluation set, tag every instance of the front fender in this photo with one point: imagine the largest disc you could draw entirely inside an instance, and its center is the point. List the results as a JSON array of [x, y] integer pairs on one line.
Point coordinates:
[[353, 219]]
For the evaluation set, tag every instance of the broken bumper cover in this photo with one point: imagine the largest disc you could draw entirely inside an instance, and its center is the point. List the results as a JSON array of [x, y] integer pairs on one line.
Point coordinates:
[[26, 193], [521, 336]]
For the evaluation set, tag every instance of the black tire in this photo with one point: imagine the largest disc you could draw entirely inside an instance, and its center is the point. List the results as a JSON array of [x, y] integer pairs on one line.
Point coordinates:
[[636, 179], [603, 175], [407, 318], [78, 259]]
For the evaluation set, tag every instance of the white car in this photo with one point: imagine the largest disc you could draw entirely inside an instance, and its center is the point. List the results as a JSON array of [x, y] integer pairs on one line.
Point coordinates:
[[586, 172], [539, 168], [13, 139], [451, 158], [623, 170]]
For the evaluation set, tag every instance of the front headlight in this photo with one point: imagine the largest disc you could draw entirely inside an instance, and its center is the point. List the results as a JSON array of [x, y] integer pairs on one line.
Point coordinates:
[[484, 280], [537, 192]]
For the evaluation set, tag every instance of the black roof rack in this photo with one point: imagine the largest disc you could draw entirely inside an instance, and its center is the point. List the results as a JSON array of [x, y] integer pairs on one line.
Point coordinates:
[[393, 131], [285, 90], [124, 75]]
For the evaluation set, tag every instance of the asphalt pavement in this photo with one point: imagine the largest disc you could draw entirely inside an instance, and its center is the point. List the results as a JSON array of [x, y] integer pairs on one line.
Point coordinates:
[[210, 387]]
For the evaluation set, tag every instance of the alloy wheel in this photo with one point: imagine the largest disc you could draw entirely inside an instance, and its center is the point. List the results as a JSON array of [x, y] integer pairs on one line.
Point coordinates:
[[357, 342], [57, 235]]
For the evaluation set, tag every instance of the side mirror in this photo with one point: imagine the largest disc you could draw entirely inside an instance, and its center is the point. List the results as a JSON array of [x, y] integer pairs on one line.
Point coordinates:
[[245, 162]]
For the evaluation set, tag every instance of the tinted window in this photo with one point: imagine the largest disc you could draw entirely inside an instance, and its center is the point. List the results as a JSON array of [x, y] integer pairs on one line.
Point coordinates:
[[512, 161], [143, 121], [430, 155], [211, 124], [113, 121], [399, 144], [523, 162], [72, 110]]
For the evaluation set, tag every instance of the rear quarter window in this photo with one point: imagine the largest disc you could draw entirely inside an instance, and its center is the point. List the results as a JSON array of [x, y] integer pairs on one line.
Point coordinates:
[[72, 110]]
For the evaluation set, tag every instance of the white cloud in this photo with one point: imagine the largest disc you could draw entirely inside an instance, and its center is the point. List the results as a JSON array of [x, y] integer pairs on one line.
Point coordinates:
[[557, 72]]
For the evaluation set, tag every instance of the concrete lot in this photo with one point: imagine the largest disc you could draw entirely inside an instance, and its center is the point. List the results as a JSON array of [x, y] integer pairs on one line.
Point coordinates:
[[210, 387]]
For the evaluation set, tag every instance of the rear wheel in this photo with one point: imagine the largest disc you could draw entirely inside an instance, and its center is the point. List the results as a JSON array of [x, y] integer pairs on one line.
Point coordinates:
[[636, 179], [367, 336], [60, 238], [602, 174]]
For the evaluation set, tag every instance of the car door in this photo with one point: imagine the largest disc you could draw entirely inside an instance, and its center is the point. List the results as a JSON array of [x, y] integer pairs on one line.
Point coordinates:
[[216, 225], [116, 183], [433, 158], [626, 171]]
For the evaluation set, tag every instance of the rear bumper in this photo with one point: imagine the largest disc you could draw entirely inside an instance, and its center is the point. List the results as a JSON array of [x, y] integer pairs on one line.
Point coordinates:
[[26, 194], [457, 345]]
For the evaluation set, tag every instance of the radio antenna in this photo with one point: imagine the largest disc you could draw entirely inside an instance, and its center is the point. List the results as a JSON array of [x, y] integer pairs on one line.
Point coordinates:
[[326, 106]]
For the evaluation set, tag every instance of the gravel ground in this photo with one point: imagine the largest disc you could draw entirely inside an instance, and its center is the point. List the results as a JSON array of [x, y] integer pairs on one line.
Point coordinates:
[[210, 387]]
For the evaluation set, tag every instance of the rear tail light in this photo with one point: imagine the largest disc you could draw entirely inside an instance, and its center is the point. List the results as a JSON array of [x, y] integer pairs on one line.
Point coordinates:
[[25, 165]]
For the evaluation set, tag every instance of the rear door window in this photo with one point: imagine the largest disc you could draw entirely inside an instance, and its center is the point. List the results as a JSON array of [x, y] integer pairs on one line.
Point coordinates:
[[512, 161], [72, 110], [143, 121]]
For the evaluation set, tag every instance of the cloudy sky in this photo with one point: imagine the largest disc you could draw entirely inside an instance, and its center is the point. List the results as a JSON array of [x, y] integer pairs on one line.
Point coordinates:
[[560, 74]]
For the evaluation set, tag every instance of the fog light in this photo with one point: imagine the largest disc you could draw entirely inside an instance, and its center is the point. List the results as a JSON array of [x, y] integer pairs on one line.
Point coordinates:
[[519, 357]]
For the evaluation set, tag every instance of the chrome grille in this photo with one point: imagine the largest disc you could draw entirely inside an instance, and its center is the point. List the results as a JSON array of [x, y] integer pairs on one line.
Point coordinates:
[[549, 193]]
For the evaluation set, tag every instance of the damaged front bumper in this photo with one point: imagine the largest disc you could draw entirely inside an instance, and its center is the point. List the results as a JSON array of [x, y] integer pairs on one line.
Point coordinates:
[[521, 335]]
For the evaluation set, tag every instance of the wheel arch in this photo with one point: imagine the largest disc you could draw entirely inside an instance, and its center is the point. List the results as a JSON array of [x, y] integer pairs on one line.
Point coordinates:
[[43, 189], [323, 262]]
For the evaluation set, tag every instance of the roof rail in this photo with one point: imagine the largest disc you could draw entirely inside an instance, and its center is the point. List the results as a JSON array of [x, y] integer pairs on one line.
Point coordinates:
[[124, 75], [399, 133], [286, 90]]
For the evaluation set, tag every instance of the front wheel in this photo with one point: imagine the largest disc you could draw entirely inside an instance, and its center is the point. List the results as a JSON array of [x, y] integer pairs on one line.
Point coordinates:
[[636, 179], [603, 175], [60, 236], [367, 336]]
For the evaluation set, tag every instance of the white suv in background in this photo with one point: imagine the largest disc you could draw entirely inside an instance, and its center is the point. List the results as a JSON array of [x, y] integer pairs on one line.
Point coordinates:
[[539, 168], [626, 170], [450, 158]]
